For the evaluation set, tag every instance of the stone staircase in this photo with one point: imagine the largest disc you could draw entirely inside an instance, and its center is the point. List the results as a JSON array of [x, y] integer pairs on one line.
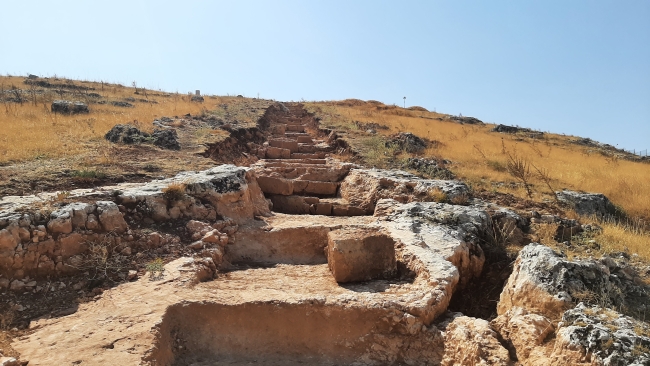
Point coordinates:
[[296, 174]]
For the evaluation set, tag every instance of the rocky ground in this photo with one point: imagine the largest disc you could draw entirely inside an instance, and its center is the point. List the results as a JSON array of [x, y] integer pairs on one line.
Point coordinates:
[[297, 257]]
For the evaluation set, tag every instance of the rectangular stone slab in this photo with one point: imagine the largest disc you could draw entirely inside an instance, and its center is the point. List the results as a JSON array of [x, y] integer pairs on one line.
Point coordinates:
[[314, 187], [296, 128], [285, 144], [277, 153], [275, 185]]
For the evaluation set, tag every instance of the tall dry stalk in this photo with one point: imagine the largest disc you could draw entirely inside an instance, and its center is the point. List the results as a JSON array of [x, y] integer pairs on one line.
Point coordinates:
[[544, 176], [519, 168]]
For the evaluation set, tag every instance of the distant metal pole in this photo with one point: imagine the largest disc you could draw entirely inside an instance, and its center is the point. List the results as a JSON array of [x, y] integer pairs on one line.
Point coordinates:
[[404, 102]]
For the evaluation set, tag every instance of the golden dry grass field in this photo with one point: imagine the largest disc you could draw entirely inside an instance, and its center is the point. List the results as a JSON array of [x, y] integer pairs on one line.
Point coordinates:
[[45, 151], [480, 158], [30, 130]]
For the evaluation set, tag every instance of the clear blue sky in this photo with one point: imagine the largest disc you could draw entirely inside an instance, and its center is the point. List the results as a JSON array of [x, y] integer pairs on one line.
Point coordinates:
[[578, 67]]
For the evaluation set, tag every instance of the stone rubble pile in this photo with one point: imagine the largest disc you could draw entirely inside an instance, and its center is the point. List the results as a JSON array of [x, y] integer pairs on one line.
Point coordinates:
[[49, 241]]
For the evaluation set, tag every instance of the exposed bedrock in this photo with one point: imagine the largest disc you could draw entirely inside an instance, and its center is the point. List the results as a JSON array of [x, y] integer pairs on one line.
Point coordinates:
[[308, 332], [471, 341], [363, 188], [547, 283], [540, 299]]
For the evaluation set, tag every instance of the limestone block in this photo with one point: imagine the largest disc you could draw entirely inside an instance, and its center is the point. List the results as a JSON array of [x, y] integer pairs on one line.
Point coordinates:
[[277, 153], [198, 228], [80, 213], [9, 239], [110, 217], [72, 244], [9, 361], [295, 205], [92, 223], [158, 207], [17, 285], [278, 129], [523, 330], [60, 221], [321, 209], [284, 144], [273, 185], [295, 128], [155, 240], [314, 187], [24, 234], [306, 148]]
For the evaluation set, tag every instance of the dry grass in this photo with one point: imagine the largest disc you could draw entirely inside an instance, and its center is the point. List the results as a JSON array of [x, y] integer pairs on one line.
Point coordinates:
[[437, 195], [31, 131], [619, 237], [174, 192], [7, 318], [481, 157], [546, 233]]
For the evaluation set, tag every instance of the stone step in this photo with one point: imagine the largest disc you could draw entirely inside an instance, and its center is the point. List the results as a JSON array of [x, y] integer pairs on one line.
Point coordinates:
[[284, 144], [346, 210], [278, 129], [296, 134], [295, 128], [277, 153], [341, 207], [318, 155], [288, 187], [300, 138], [306, 148], [300, 205], [318, 173], [292, 162]]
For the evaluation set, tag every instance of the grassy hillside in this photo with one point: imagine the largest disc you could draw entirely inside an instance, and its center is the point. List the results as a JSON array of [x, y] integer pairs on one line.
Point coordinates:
[[480, 157], [44, 151]]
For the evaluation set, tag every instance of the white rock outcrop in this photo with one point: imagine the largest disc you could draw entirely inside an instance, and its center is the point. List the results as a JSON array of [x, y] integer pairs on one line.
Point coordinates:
[[363, 188], [471, 342]]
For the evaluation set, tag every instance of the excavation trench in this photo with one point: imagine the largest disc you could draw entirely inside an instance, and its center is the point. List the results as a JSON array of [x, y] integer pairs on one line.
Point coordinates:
[[285, 334], [318, 329]]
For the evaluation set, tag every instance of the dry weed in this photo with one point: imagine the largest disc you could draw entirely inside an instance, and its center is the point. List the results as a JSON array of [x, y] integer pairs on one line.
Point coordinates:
[[7, 318], [462, 200], [174, 192], [437, 195]]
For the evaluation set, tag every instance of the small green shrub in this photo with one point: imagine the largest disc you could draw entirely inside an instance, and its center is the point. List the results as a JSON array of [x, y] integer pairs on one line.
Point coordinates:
[[155, 268]]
